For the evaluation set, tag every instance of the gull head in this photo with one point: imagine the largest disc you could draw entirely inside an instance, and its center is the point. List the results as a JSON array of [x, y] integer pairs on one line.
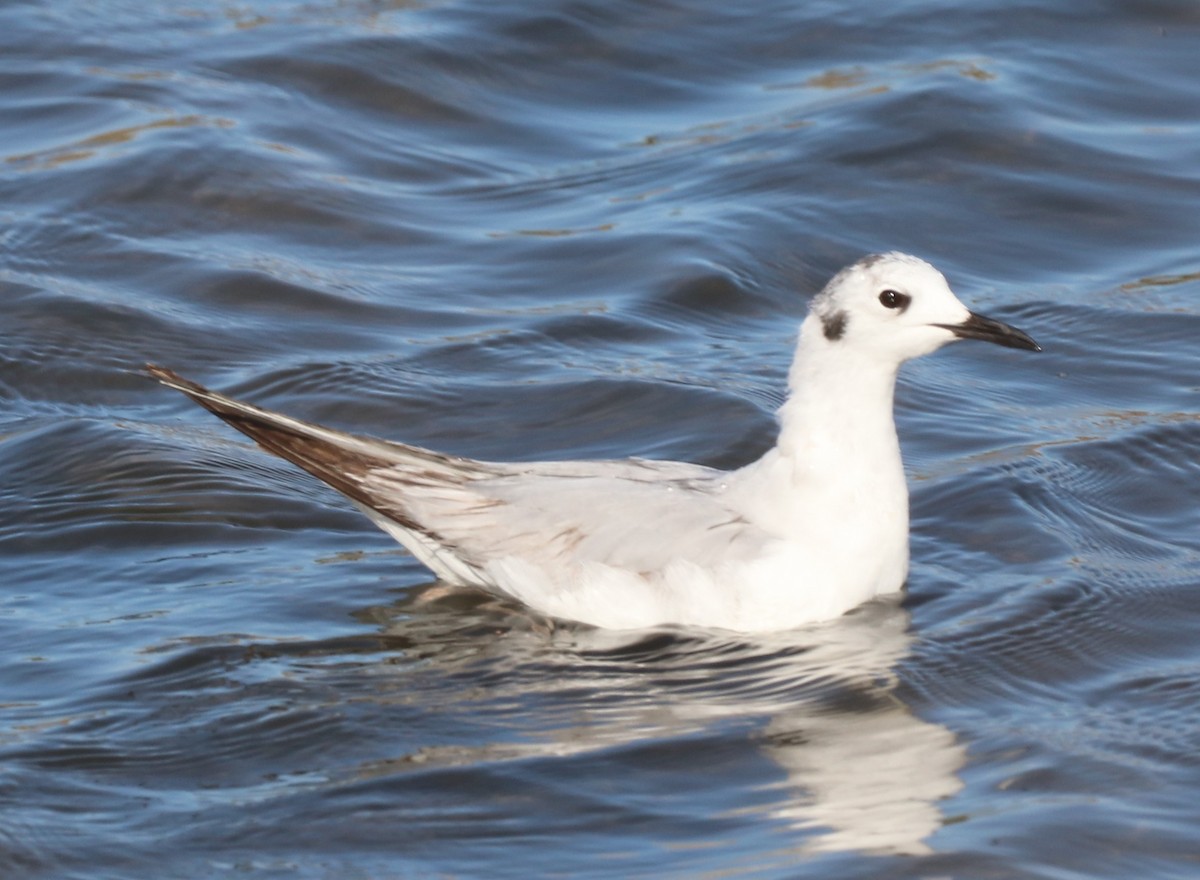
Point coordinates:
[[897, 307]]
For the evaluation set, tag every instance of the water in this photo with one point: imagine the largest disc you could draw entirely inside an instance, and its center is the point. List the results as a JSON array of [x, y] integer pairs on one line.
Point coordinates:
[[567, 229]]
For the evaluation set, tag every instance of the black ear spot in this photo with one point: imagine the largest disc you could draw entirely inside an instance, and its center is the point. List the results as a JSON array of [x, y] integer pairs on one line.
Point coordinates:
[[894, 299], [834, 325]]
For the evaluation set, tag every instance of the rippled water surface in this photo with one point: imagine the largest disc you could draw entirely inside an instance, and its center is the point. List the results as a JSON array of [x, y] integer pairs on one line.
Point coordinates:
[[565, 229]]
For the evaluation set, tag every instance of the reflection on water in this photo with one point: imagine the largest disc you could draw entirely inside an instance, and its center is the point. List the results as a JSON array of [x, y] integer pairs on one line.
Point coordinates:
[[871, 782], [860, 771]]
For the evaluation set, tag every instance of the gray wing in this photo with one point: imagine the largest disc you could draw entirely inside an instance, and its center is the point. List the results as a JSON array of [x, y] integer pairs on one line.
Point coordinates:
[[633, 515], [457, 514]]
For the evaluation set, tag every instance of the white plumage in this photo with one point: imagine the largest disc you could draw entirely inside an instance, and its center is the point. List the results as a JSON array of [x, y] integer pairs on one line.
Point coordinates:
[[816, 526]]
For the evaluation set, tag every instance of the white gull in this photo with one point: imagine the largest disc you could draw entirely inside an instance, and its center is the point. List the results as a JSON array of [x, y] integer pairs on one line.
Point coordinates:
[[816, 526]]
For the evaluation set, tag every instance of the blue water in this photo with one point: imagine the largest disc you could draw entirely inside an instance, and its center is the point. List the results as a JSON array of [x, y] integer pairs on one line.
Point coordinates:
[[567, 229]]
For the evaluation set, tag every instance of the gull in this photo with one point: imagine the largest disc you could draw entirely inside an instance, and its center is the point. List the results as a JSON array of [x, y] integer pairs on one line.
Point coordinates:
[[813, 528]]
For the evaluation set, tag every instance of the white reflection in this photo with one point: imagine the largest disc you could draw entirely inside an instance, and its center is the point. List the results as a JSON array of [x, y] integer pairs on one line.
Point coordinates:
[[869, 782], [859, 770]]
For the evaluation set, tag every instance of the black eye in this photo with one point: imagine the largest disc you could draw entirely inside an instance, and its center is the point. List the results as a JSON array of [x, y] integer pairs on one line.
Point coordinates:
[[894, 299]]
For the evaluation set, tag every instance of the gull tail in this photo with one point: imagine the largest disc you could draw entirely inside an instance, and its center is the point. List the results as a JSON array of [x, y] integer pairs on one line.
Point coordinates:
[[344, 461], [334, 457]]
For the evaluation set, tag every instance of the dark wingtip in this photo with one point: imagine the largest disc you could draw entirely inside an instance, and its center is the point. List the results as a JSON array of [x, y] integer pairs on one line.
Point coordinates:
[[173, 380]]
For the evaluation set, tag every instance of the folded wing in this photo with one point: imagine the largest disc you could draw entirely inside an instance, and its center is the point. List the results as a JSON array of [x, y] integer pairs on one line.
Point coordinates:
[[463, 517]]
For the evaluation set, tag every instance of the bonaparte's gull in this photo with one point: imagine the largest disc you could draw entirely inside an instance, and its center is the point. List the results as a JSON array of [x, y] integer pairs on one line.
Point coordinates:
[[816, 526]]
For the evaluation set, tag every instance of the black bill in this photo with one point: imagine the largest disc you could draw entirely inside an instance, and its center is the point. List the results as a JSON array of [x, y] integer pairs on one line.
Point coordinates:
[[991, 330]]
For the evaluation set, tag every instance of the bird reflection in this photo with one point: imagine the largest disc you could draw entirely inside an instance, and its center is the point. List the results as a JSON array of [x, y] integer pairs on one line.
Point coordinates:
[[858, 770]]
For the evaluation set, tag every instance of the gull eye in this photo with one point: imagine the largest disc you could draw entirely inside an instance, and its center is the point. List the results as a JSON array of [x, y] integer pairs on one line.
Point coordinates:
[[894, 299]]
